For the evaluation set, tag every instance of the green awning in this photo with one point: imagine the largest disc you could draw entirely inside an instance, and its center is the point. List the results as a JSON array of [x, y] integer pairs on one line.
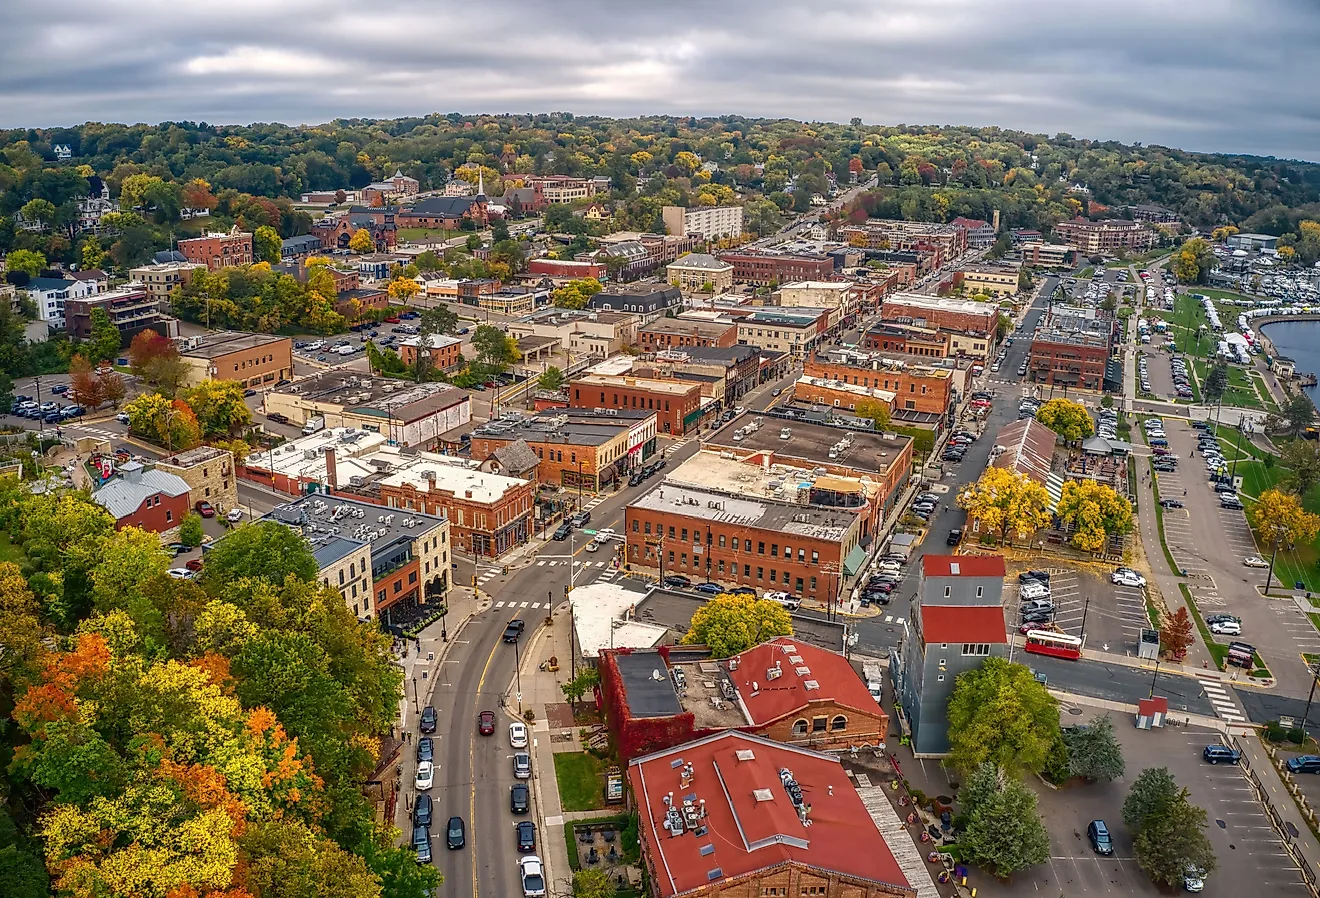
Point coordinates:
[[853, 563]]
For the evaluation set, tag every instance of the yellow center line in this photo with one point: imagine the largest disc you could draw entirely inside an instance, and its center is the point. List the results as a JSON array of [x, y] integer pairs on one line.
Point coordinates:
[[472, 767]]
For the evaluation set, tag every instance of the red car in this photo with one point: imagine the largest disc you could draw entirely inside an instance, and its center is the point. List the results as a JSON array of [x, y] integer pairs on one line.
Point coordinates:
[[193, 564], [205, 509], [486, 723], [393, 319]]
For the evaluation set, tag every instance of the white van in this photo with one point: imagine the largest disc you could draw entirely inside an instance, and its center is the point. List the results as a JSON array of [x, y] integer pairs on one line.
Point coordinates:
[[1033, 589], [783, 598]]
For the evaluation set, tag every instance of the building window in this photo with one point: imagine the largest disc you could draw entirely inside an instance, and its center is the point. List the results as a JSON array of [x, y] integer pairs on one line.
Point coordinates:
[[939, 679], [980, 590], [398, 586], [760, 573], [800, 727], [685, 539], [412, 576], [813, 584], [774, 550], [839, 722], [818, 724], [341, 578], [747, 570], [169, 516], [648, 528], [774, 575], [976, 648], [721, 565], [760, 548], [721, 540], [815, 557]]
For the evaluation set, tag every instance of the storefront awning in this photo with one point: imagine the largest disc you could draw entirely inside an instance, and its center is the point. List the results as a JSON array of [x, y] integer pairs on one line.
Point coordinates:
[[853, 563]]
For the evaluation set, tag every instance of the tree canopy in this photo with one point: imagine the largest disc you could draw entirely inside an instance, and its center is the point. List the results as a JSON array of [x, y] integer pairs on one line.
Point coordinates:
[[1002, 831], [1002, 714], [1004, 501], [1097, 512], [1070, 420], [1093, 750], [729, 624]]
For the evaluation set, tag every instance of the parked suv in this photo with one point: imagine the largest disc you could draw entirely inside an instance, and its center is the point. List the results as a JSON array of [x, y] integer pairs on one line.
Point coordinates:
[[1101, 841], [1220, 754]]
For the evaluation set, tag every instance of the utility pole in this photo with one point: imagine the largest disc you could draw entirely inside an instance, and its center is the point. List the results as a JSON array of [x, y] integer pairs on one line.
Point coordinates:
[[1315, 675]]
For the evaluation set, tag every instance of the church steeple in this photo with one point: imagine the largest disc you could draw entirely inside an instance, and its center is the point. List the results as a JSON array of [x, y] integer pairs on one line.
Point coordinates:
[[481, 184]]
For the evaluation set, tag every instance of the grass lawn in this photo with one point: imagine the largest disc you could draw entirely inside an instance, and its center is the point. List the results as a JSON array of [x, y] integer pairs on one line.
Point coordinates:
[[581, 781], [9, 551], [1086, 272], [427, 233], [1239, 393]]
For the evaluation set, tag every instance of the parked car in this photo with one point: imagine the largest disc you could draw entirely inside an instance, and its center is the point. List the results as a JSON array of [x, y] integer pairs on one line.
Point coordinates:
[[1127, 578], [526, 833], [519, 798], [954, 537], [581, 519], [425, 776], [1216, 618], [1226, 628], [234, 515], [676, 581], [1171, 503], [710, 589], [517, 735], [1033, 590], [522, 765], [486, 723], [426, 749], [205, 509], [1220, 754], [421, 842], [533, 876], [1304, 764], [1255, 561], [1193, 878], [422, 810], [428, 719], [562, 532], [1039, 576], [181, 573]]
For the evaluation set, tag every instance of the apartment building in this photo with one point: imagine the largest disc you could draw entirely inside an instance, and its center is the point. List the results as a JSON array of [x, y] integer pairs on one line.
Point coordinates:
[[580, 331], [996, 280], [575, 448], [253, 360], [678, 333], [1068, 358], [707, 222], [794, 331], [548, 189], [1047, 255], [161, 279], [130, 308], [677, 404], [980, 233], [409, 415], [915, 388], [895, 339], [941, 243], [567, 269], [640, 299], [767, 269], [50, 296], [933, 311], [1098, 238], [820, 294], [700, 272], [219, 250], [445, 351]]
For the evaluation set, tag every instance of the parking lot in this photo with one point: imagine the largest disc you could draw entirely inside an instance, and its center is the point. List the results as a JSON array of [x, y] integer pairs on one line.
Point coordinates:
[[1251, 857], [1112, 618]]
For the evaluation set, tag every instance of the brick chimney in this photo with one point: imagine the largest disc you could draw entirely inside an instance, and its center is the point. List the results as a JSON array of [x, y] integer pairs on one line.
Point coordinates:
[[331, 474]]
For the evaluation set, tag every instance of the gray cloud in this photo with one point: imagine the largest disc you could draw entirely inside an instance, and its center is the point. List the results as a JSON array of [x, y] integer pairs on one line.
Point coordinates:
[[1225, 75]]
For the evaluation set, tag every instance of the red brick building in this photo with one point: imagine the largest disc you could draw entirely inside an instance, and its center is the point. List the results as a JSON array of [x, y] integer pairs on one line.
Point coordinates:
[[895, 339], [1068, 359], [916, 389], [152, 500], [566, 268], [217, 251], [577, 446], [675, 333], [765, 819], [764, 270], [677, 404], [445, 351], [948, 314]]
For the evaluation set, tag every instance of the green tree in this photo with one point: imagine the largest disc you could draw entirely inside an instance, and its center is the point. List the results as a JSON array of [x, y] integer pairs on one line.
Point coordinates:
[[439, 320], [494, 347], [190, 531], [875, 411], [264, 550], [1153, 788], [1070, 420], [1168, 830], [1003, 326], [593, 884], [1001, 713], [1302, 459], [1216, 383], [266, 245], [397, 868], [729, 624], [27, 261], [580, 685], [472, 243], [576, 293], [1093, 750], [105, 340], [219, 406], [1025, 279], [551, 379], [1297, 413], [1004, 832], [39, 211]]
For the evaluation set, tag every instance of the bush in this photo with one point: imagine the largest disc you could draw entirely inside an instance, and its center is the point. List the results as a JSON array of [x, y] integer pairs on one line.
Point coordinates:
[[1274, 732], [190, 531], [1297, 735]]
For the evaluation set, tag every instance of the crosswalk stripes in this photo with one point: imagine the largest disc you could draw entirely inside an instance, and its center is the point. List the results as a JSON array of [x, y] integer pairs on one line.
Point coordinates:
[[1222, 701], [592, 503], [520, 605]]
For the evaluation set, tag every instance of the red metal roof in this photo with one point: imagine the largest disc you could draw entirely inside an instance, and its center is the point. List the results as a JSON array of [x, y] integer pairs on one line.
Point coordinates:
[[962, 565], [751, 823], [963, 623], [798, 665]]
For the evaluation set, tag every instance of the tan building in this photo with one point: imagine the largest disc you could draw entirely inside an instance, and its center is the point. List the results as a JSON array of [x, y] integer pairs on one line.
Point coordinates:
[[817, 294], [160, 280], [411, 415], [698, 271], [1047, 255], [1106, 237], [209, 473], [580, 331], [708, 222], [253, 360], [992, 280]]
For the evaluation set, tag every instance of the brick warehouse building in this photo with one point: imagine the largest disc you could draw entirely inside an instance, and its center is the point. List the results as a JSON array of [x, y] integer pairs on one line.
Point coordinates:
[[576, 447], [740, 816], [678, 333], [915, 389], [676, 403], [932, 311], [765, 269]]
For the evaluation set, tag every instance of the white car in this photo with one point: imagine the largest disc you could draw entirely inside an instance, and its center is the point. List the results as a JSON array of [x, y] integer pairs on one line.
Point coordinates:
[[181, 573], [234, 515], [425, 776], [1127, 578], [889, 567], [1226, 628], [1033, 589], [1255, 561], [533, 876], [518, 735], [593, 546]]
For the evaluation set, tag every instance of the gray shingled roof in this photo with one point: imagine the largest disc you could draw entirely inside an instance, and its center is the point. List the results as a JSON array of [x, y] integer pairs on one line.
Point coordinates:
[[517, 457], [126, 493]]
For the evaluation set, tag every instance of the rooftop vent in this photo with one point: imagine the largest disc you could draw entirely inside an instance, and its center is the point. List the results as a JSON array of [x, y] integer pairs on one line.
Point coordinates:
[[763, 795], [745, 754], [811, 684]]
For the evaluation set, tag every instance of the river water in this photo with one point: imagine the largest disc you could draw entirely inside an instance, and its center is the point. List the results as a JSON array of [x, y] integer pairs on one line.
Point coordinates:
[[1299, 341]]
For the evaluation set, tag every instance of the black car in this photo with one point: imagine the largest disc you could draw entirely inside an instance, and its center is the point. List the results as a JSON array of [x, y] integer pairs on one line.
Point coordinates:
[[422, 810], [1222, 619], [526, 831], [455, 834], [514, 629], [428, 719], [1041, 576], [519, 798], [676, 581], [954, 537], [1171, 503], [563, 532], [425, 749], [247, 393], [1037, 617], [636, 479]]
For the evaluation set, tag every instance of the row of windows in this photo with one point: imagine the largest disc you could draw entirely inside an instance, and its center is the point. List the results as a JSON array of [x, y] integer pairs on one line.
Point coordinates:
[[723, 543], [248, 363], [819, 724], [699, 565]]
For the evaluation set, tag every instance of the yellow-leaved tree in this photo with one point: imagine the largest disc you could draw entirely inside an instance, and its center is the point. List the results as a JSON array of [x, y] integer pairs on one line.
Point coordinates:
[[1068, 419], [729, 624], [1279, 519], [361, 241], [1096, 510], [1004, 501]]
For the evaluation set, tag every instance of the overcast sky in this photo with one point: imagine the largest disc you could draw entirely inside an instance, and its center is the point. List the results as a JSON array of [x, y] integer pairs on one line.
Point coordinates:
[[1215, 75]]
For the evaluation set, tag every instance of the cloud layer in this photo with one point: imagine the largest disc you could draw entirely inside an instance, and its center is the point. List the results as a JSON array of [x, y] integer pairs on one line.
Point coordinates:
[[1225, 75]]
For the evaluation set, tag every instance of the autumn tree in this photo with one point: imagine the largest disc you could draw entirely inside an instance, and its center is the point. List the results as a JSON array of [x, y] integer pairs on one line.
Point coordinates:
[[170, 423], [1280, 520], [1004, 502], [219, 406], [1095, 510], [730, 624], [1001, 713], [84, 384], [266, 245], [156, 360], [1193, 260], [113, 388], [1176, 633], [403, 289], [361, 241], [576, 294], [1070, 420]]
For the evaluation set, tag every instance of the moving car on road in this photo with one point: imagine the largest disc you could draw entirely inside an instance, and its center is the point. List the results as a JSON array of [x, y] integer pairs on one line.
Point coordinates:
[[486, 723], [1255, 561], [514, 629], [455, 836]]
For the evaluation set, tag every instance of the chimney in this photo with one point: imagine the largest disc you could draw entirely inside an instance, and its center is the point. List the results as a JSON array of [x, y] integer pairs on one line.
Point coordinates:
[[331, 474]]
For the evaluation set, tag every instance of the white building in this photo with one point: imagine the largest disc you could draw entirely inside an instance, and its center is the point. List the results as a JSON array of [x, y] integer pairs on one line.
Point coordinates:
[[709, 222], [50, 294]]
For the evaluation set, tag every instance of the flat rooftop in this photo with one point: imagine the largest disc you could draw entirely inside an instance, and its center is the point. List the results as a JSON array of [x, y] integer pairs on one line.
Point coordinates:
[[922, 301], [725, 506], [225, 342], [779, 481], [553, 317], [885, 396], [323, 519], [577, 427], [650, 384], [793, 316], [377, 396], [601, 619], [198, 456], [647, 686], [865, 450], [448, 473], [688, 327], [1069, 337], [304, 458]]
